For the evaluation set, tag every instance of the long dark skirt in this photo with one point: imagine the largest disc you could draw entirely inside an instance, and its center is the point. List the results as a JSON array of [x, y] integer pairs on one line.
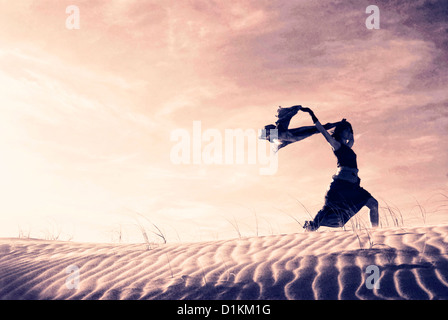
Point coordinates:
[[343, 200]]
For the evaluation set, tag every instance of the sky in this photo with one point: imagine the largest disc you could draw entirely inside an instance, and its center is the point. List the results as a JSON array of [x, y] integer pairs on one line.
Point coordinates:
[[87, 115]]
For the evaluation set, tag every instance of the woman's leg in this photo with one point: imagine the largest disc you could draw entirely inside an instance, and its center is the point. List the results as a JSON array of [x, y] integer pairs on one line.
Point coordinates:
[[372, 204], [329, 216]]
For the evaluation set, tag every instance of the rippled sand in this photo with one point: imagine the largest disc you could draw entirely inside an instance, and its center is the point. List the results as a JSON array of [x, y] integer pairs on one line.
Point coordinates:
[[412, 264]]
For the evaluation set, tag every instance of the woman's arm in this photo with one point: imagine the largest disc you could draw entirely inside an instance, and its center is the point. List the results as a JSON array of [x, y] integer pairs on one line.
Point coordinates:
[[334, 144]]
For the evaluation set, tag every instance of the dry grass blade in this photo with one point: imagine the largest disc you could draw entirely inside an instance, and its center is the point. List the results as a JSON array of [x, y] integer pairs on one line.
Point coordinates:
[[235, 226], [159, 232]]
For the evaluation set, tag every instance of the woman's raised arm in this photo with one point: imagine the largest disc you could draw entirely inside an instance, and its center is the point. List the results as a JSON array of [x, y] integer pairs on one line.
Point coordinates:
[[334, 144]]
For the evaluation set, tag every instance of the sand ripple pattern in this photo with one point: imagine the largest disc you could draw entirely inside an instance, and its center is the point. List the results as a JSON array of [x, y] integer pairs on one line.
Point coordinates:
[[413, 264]]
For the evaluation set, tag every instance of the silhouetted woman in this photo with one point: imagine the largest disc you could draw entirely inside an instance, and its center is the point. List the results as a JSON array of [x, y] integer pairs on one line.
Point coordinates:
[[345, 197]]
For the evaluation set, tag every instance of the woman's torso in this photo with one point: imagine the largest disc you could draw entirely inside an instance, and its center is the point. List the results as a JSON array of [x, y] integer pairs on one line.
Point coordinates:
[[347, 165], [346, 157]]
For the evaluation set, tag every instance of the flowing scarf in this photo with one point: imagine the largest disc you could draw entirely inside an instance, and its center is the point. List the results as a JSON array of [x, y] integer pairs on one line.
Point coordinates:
[[282, 136]]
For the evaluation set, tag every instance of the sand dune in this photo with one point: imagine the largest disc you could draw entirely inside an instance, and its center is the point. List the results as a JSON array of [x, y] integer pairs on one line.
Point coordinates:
[[412, 264]]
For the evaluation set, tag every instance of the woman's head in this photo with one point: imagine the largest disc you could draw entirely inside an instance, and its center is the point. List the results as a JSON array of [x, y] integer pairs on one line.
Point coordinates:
[[343, 133]]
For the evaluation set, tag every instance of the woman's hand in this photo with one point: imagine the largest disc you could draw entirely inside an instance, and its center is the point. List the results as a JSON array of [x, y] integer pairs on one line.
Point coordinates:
[[304, 109], [313, 116]]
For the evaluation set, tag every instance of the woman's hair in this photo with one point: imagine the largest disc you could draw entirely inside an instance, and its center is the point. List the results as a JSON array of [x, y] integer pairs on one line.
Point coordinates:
[[341, 127]]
